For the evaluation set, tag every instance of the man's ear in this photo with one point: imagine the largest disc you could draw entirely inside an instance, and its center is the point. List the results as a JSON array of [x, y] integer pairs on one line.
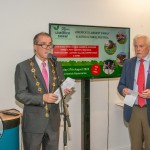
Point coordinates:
[[34, 48]]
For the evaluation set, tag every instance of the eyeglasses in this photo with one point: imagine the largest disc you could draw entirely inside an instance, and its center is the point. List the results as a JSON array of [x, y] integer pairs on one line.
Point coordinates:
[[45, 46]]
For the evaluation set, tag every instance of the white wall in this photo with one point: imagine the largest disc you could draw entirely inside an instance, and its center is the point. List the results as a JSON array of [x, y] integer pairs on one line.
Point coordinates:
[[21, 20]]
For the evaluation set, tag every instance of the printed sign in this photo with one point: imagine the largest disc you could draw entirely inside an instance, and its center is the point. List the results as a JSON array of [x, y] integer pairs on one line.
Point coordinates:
[[90, 51]]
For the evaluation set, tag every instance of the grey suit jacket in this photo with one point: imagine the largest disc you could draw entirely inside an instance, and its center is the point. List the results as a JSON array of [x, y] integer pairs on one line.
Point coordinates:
[[34, 120], [127, 81]]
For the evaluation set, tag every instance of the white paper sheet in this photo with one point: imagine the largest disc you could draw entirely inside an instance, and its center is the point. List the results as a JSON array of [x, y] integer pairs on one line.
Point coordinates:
[[68, 83], [130, 98], [131, 92]]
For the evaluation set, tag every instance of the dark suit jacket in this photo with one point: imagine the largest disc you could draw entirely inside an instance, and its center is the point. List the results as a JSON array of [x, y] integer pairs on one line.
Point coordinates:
[[34, 119], [127, 81]]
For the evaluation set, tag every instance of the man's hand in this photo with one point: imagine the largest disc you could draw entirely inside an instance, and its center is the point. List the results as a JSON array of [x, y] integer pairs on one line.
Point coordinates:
[[67, 91], [125, 91], [145, 93], [50, 98]]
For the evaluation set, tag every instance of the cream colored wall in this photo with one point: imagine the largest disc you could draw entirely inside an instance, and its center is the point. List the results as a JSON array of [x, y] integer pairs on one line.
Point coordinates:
[[21, 20]]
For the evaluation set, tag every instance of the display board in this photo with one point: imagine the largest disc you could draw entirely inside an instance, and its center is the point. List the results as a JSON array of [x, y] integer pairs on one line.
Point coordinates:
[[90, 51]]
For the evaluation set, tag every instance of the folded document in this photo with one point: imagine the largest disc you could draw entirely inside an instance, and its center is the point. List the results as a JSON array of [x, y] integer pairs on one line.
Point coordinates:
[[68, 83]]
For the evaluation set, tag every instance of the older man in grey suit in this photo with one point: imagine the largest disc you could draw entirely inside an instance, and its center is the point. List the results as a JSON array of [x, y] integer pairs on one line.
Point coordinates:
[[41, 116], [138, 116]]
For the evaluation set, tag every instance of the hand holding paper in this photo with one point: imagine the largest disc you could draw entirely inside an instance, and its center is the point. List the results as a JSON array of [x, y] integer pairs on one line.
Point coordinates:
[[130, 98], [67, 84]]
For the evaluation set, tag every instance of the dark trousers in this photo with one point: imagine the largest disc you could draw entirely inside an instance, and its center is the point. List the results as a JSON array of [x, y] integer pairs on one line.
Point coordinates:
[[48, 140]]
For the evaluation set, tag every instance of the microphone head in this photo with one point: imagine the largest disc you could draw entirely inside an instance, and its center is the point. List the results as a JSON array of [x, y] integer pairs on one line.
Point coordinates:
[[51, 56]]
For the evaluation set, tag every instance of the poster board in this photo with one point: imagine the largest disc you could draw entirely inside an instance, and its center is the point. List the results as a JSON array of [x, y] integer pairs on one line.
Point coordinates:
[[90, 51]]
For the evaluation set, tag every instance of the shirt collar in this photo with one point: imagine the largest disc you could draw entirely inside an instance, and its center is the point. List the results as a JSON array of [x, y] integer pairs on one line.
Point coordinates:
[[147, 58], [39, 62]]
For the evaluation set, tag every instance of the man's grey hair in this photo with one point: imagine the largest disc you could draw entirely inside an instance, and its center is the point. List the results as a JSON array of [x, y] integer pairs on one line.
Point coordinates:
[[142, 36], [35, 39]]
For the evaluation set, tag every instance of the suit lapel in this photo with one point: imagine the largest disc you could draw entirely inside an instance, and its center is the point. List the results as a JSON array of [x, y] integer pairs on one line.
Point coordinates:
[[133, 63], [148, 80]]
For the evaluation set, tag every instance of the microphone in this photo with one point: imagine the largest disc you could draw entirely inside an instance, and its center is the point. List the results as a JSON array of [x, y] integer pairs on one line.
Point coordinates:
[[51, 56]]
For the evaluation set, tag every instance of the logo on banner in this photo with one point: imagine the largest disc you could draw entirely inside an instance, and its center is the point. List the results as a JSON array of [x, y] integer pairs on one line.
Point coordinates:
[[62, 31]]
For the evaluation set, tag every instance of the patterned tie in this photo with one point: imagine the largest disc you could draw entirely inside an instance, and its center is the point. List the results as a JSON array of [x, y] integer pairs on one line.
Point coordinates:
[[45, 74], [141, 83]]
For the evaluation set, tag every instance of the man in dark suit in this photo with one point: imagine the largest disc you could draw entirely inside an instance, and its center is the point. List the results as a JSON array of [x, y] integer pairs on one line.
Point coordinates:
[[41, 116], [138, 116]]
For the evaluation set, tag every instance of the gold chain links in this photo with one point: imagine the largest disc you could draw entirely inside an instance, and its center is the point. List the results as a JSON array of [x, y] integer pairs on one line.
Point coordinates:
[[37, 83]]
